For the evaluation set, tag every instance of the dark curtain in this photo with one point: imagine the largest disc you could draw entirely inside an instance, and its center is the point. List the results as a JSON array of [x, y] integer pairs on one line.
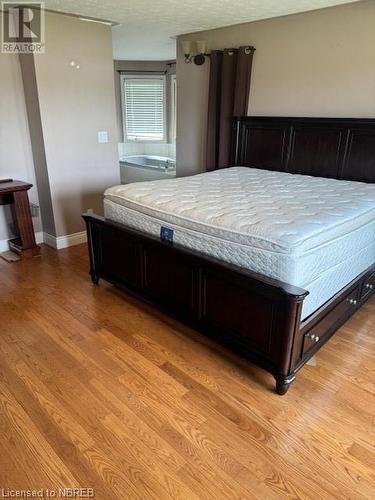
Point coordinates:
[[230, 75]]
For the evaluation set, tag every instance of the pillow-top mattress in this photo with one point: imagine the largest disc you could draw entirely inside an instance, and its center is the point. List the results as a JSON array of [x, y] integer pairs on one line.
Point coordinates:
[[311, 232]]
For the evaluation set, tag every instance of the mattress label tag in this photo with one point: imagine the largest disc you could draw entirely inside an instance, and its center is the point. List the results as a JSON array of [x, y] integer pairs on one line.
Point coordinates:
[[166, 234]]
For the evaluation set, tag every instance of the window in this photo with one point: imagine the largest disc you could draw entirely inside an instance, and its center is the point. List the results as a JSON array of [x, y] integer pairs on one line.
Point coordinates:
[[173, 107], [144, 108]]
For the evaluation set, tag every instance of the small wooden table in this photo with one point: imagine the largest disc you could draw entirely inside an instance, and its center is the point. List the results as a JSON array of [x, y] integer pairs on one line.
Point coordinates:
[[14, 193]]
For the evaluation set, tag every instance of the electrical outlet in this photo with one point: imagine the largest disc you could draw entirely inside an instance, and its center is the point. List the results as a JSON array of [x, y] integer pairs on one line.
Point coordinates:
[[34, 209]]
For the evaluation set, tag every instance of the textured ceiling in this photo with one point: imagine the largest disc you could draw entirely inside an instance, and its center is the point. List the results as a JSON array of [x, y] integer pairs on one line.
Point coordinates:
[[147, 26]]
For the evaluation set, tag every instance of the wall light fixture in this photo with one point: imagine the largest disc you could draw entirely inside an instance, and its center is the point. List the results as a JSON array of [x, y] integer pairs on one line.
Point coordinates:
[[197, 56]]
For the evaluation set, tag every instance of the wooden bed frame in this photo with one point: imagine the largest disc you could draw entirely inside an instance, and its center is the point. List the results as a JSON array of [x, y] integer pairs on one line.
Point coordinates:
[[256, 316]]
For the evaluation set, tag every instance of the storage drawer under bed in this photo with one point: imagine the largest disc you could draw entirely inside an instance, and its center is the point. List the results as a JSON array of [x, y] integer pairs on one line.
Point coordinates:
[[368, 286], [319, 333]]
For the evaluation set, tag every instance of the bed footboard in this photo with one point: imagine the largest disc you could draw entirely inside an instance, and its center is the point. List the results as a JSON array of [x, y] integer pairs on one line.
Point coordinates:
[[255, 316]]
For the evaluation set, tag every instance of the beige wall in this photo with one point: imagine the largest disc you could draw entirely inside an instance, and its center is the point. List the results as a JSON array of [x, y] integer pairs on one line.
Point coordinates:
[[74, 106], [320, 63], [64, 110], [15, 149]]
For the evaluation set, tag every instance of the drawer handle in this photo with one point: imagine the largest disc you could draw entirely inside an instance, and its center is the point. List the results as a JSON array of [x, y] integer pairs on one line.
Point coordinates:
[[353, 302], [313, 337], [369, 286]]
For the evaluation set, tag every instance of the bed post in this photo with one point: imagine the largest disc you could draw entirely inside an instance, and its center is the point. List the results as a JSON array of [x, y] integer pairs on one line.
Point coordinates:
[[285, 376], [93, 250]]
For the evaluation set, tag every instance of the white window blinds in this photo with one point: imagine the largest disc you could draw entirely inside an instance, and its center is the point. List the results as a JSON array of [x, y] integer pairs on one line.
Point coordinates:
[[144, 109]]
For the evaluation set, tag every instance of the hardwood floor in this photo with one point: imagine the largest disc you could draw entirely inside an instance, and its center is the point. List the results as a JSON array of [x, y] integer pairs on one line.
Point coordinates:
[[100, 391]]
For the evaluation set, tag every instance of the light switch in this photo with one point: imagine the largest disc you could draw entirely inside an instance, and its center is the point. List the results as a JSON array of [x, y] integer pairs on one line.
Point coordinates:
[[102, 136]]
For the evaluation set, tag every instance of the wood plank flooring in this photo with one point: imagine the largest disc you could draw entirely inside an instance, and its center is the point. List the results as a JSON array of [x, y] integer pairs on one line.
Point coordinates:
[[100, 391]]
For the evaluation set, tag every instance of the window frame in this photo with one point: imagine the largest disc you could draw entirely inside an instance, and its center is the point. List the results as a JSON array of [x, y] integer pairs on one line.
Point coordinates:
[[123, 108], [173, 105]]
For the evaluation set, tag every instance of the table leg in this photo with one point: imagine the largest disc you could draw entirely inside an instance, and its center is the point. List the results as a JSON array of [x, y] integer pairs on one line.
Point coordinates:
[[25, 224]]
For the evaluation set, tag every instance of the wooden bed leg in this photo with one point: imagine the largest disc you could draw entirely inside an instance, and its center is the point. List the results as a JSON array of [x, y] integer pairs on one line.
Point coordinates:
[[94, 277], [283, 383]]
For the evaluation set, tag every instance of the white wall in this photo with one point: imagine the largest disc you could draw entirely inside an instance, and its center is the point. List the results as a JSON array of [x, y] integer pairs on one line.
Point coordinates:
[[147, 148], [320, 63], [15, 149]]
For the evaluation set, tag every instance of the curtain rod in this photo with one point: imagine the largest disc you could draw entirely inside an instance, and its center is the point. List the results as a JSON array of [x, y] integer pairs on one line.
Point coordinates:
[[248, 48]]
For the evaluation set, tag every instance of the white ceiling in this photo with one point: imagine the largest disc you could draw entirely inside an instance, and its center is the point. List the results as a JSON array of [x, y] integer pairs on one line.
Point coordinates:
[[147, 27]]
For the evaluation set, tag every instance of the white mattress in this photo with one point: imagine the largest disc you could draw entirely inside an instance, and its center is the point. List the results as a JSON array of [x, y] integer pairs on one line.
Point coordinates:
[[311, 232]]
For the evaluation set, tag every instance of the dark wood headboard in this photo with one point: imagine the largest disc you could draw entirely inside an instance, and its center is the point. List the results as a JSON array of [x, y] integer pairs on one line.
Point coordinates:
[[340, 148]]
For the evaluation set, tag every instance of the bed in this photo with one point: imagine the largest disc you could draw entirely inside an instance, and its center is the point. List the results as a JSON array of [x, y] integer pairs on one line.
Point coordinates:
[[268, 257]]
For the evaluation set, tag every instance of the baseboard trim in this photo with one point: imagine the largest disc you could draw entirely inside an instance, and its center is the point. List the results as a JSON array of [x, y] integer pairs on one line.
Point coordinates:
[[58, 242], [4, 247], [66, 241], [39, 238]]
